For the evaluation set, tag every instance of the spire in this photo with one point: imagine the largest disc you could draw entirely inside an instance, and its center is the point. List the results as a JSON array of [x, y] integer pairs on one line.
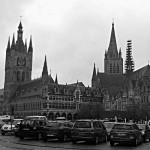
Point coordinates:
[[20, 25], [120, 53], [56, 81], [26, 44], [13, 45], [45, 72], [30, 49], [20, 31], [94, 73], [8, 46], [112, 49]]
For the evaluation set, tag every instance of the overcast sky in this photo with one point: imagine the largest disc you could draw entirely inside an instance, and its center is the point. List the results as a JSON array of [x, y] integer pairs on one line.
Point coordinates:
[[74, 34]]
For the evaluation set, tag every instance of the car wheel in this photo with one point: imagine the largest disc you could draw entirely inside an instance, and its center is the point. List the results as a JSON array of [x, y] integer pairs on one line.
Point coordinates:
[[105, 140], [2, 133], [65, 138], [111, 143], [96, 140], [21, 138], [74, 141], [144, 139], [16, 134], [135, 142], [38, 136], [45, 139]]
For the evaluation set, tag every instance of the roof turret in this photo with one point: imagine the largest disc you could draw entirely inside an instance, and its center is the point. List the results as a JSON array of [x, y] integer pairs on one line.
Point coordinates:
[[30, 49], [45, 71]]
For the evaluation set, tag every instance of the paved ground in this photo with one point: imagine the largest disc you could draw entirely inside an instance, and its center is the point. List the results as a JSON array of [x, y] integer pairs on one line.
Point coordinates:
[[9, 142]]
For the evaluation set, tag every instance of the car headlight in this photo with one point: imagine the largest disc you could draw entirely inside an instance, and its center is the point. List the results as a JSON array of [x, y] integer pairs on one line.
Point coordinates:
[[143, 132], [131, 137]]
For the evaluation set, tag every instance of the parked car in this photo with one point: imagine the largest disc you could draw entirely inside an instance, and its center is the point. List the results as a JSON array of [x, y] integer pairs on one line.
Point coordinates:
[[89, 130], [7, 128], [31, 128], [60, 130], [125, 132], [1, 123], [108, 126], [145, 130]]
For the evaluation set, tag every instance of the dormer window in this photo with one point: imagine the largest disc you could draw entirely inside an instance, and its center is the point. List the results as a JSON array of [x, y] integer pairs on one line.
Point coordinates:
[[56, 90]]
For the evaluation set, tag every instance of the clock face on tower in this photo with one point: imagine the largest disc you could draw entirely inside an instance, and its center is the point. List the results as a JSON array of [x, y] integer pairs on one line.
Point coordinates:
[[21, 61]]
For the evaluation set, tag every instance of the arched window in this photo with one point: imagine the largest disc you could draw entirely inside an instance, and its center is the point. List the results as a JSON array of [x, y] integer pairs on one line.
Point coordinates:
[[77, 95], [24, 61], [117, 68], [18, 76], [110, 68], [23, 76], [14, 76], [18, 61], [114, 69]]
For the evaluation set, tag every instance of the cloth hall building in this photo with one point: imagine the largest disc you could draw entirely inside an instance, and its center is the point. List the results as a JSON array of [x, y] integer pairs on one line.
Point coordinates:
[[42, 96]]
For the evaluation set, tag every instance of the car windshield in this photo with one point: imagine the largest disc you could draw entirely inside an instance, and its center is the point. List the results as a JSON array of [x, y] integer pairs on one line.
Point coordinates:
[[141, 126], [108, 125], [82, 124], [27, 122], [122, 126]]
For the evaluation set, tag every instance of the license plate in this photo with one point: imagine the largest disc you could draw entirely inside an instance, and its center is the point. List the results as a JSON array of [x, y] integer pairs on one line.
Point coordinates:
[[25, 129], [121, 134], [50, 135]]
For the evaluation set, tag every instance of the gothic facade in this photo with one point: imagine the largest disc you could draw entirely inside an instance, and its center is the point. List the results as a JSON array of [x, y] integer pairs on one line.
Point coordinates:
[[42, 96], [120, 88]]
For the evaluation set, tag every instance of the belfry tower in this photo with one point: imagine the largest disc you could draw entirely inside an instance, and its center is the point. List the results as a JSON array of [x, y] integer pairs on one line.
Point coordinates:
[[113, 61], [18, 64]]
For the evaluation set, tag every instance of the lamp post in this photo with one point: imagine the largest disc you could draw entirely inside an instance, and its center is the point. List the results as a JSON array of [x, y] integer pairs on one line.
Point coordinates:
[[47, 102]]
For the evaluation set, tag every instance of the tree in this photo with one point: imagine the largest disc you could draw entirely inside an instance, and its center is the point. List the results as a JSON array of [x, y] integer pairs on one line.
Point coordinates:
[[90, 111]]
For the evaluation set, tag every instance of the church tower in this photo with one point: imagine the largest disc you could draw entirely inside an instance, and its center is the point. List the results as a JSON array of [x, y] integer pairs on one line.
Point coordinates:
[[113, 61], [18, 64]]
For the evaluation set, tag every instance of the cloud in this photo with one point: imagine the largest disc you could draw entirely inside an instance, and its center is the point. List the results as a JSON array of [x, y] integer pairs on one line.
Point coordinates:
[[74, 34]]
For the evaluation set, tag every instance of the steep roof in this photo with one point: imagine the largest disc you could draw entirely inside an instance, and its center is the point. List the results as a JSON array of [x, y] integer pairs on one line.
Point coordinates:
[[112, 49], [112, 82], [142, 72]]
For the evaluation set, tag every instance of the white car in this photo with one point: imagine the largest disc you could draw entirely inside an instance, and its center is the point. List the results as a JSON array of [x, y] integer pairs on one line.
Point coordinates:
[[7, 128]]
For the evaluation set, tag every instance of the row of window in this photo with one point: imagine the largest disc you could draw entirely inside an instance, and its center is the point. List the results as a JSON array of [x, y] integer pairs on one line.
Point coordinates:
[[68, 98], [59, 106], [114, 68], [28, 106]]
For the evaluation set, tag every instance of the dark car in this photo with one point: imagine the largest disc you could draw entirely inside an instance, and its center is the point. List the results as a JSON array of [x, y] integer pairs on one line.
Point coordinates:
[[125, 132], [89, 130], [31, 128], [60, 130], [145, 130]]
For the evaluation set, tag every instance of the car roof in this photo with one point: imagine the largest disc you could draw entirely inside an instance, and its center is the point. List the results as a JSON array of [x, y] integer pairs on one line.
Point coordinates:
[[109, 122], [89, 120], [126, 123]]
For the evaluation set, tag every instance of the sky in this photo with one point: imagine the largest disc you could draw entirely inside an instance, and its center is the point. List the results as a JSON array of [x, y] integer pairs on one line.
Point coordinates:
[[74, 34]]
